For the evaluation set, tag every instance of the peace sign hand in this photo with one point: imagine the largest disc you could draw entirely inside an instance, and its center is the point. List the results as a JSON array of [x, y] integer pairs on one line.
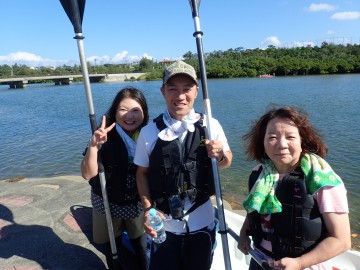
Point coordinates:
[[100, 135]]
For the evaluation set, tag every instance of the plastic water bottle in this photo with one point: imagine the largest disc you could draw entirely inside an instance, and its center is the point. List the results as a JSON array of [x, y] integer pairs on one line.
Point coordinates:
[[156, 222]]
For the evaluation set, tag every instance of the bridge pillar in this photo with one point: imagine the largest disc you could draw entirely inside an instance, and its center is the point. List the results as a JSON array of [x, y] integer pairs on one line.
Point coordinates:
[[18, 84], [63, 81], [96, 78]]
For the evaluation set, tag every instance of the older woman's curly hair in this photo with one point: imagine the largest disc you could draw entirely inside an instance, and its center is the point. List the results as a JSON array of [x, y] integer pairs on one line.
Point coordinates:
[[311, 141]]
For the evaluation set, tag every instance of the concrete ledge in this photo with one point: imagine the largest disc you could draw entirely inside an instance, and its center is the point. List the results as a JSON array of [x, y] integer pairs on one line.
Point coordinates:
[[121, 77], [45, 223]]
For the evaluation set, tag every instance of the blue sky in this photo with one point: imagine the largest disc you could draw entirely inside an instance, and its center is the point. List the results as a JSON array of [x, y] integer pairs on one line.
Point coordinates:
[[39, 33]]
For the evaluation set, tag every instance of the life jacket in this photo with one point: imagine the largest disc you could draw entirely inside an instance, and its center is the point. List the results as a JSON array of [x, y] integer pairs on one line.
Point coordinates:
[[172, 165], [299, 227], [114, 157]]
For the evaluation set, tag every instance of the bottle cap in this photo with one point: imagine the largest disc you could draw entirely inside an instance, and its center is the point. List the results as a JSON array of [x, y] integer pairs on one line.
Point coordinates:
[[152, 212]]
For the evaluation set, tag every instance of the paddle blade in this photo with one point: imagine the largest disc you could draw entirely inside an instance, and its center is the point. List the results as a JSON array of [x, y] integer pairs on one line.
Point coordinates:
[[75, 11], [194, 4]]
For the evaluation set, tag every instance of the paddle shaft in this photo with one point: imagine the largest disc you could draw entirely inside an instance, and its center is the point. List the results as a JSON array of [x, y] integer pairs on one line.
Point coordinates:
[[75, 10], [222, 225], [79, 38]]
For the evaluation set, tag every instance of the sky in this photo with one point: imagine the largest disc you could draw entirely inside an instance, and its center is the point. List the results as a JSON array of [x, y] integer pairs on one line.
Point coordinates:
[[39, 33]]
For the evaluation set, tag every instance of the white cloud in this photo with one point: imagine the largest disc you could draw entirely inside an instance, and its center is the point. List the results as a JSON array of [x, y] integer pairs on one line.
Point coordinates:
[[21, 56], [33, 60], [339, 40], [320, 7], [300, 44], [344, 16], [272, 40], [29, 59], [330, 32], [98, 59], [135, 58], [119, 58]]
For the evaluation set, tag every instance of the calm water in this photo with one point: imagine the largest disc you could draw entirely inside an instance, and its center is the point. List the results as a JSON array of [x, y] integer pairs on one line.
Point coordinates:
[[45, 128]]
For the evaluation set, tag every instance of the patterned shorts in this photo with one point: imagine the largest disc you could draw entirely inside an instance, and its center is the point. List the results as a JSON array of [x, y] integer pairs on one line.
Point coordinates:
[[129, 211]]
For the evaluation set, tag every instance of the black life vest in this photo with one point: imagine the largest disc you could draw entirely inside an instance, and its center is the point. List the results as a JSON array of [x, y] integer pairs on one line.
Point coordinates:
[[299, 227], [114, 157], [171, 164]]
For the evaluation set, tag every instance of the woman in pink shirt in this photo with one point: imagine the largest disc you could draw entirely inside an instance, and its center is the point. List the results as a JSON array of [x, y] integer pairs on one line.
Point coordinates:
[[297, 210]]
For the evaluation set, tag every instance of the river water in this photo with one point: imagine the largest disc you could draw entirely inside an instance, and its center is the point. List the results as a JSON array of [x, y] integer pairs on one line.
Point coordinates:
[[44, 128]]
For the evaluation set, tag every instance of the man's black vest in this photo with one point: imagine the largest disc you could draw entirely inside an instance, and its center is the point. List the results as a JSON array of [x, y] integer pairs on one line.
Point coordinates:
[[172, 164], [114, 157], [299, 227]]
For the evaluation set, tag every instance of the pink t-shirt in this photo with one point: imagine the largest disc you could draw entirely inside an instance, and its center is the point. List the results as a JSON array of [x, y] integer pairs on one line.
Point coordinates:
[[332, 199]]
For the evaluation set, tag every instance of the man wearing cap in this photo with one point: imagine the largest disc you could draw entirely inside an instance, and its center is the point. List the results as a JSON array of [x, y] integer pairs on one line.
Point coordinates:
[[174, 174]]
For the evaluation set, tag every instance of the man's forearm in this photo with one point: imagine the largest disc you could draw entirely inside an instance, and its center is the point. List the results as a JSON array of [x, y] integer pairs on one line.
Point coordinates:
[[143, 187]]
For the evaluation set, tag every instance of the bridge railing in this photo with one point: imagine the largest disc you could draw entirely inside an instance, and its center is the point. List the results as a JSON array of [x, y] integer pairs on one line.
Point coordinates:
[[22, 82]]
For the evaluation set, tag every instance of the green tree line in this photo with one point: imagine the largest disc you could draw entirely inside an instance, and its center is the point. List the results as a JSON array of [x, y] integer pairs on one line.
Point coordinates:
[[239, 62], [232, 63]]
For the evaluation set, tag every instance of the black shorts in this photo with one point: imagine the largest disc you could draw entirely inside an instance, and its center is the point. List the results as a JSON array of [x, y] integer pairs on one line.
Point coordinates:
[[184, 252]]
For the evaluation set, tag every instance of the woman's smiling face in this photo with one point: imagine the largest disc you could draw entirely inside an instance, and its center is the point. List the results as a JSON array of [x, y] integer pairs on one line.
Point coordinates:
[[282, 143], [129, 115]]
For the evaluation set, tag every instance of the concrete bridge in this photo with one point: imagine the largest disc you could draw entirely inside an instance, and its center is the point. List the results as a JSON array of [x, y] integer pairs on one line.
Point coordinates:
[[16, 83]]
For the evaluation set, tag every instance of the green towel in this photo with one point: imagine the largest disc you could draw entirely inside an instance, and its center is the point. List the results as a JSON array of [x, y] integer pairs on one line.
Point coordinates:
[[261, 198]]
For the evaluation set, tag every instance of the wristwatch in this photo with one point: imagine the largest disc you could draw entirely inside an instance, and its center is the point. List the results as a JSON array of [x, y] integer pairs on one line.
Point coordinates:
[[222, 158]]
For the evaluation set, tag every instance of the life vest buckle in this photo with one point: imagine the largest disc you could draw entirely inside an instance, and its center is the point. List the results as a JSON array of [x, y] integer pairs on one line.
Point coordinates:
[[188, 166], [190, 193]]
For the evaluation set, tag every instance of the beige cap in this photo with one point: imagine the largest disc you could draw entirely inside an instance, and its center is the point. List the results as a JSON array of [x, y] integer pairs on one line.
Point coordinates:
[[179, 67]]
